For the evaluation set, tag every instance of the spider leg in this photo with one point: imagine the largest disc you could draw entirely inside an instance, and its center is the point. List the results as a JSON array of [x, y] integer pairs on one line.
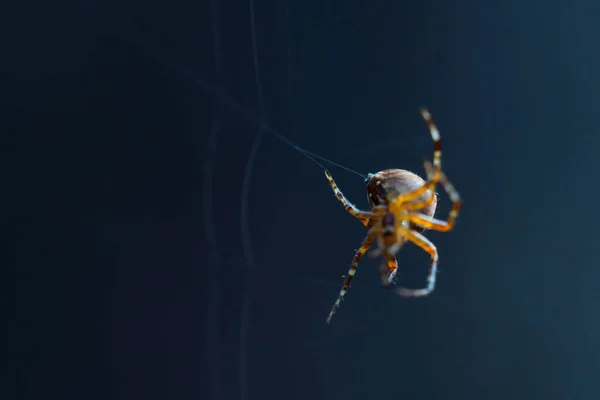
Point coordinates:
[[432, 223], [357, 256], [420, 204], [400, 201], [435, 136], [429, 247], [363, 216], [388, 269], [437, 164], [429, 169]]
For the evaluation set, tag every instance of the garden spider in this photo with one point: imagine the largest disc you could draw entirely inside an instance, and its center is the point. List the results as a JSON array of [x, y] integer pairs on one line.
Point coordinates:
[[402, 207]]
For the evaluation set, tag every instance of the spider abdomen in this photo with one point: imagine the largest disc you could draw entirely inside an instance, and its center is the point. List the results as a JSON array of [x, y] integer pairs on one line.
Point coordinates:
[[391, 183]]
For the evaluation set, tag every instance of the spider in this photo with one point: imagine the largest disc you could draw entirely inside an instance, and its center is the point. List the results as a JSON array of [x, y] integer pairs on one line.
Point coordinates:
[[402, 205]]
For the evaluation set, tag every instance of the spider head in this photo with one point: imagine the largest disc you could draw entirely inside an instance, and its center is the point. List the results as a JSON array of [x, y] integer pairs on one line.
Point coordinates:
[[390, 183]]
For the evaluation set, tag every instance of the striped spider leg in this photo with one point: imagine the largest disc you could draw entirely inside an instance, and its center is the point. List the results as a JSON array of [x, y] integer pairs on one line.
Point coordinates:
[[363, 216], [371, 234], [405, 212], [368, 219]]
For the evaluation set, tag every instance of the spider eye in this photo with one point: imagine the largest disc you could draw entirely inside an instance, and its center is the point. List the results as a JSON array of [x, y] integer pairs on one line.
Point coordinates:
[[381, 192], [376, 199], [378, 194]]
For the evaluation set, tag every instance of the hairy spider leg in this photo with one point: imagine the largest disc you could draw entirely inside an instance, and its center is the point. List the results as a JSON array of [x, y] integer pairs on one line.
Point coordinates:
[[452, 193], [363, 216], [435, 135], [357, 256], [388, 269], [433, 223], [430, 248], [418, 205], [400, 200]]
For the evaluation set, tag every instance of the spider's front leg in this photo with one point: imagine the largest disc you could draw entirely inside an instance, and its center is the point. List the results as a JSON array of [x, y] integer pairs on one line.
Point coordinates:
[[432, 178], [363, 216]]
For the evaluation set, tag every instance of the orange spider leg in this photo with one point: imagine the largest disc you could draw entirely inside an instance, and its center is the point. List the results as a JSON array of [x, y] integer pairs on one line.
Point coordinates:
[[402, 200], [432, 223], [429, 169], [437, 163], [388, 269], [430, 248], [450, 189], [357, 256], [363, 216], [420, 204], [415, 206]]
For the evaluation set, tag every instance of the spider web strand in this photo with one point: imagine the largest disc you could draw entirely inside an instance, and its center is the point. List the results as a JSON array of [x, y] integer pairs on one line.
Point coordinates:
[[213, 333], [245, 226], [123, 29]]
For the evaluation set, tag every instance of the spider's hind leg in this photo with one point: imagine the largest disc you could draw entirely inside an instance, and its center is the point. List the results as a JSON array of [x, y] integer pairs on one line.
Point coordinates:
[[430, 248], [388, 269]]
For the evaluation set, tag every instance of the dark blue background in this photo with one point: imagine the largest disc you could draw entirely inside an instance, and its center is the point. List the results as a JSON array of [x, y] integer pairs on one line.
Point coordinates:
[[135, 285]]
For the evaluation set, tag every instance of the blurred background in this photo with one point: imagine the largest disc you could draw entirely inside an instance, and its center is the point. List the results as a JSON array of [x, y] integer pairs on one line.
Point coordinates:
[[144, 267]]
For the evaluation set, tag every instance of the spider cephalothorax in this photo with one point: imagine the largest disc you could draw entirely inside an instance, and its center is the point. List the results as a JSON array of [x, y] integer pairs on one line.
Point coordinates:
[[402, 205]]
